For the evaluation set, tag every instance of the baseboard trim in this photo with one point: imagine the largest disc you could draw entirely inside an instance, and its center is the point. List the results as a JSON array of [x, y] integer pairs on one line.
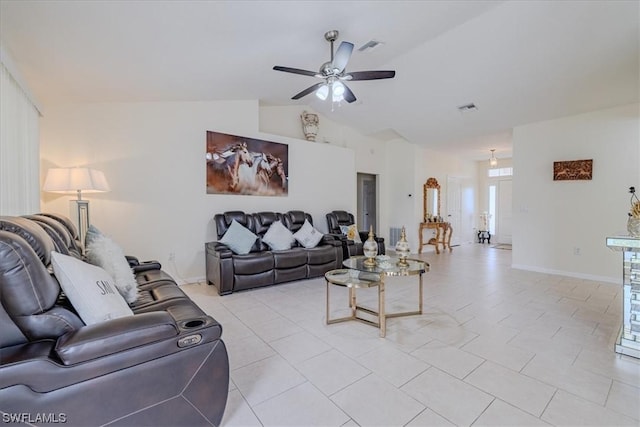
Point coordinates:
[[607, 279]]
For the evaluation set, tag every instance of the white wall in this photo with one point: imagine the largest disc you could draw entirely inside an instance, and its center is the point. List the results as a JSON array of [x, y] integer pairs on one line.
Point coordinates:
[[552, 218], [153, 157], [370, 153]]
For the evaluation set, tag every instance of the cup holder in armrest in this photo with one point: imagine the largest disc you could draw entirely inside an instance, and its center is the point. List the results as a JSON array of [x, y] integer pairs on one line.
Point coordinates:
[[192, 324]]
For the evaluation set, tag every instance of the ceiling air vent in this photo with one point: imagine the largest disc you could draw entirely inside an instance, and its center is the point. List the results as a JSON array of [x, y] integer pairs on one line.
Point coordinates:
[[468, 108], [370, 45]]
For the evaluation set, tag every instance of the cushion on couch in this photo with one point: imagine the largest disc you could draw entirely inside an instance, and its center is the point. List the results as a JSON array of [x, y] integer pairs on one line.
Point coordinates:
[[239, 238], [103, 252], [351, 231], [90, 289], [278, 237], [308, 236]]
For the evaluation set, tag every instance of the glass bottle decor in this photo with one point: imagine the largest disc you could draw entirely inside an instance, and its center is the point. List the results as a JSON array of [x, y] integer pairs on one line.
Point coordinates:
[[370, 249], [403, 249]]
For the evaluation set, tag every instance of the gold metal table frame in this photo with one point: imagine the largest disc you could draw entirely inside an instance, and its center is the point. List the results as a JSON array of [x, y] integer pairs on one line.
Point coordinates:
[[358, 275]]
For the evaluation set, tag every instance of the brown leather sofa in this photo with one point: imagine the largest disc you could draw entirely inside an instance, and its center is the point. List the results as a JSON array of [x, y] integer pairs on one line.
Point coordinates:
[[165, 365], [230, 272], [350, 247]]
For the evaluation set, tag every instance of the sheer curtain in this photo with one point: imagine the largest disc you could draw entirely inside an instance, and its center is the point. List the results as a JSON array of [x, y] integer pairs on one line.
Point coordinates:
[[19, 146]]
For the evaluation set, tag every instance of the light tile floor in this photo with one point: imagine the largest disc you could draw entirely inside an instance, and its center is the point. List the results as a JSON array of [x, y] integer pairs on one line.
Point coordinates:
[[495, 346]]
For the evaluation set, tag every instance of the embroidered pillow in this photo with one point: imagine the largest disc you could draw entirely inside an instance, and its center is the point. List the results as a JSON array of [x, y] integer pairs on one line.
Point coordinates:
[[308, 236], [278, 237], [90, 289], [239, 238], [351, 232]]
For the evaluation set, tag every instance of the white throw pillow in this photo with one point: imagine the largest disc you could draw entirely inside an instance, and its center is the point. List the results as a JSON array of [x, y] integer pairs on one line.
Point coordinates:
[[239, 238], [90, 289], [351, 232], [105, 253], [278, 237], [308, 236]]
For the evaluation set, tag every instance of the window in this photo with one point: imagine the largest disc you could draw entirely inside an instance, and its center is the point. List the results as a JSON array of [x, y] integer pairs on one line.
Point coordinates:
[[500, 172]]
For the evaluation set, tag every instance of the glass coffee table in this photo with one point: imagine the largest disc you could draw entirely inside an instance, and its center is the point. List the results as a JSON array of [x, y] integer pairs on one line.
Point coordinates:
[[359, 275]]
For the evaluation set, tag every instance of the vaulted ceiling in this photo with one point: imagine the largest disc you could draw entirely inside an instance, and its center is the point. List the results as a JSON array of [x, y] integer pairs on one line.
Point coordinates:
[[518, 61]]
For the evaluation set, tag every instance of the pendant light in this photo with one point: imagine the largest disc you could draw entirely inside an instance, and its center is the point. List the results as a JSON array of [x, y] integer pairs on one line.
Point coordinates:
[[493, 161]]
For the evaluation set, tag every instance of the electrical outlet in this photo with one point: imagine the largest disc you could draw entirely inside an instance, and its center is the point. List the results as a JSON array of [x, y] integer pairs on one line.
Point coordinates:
[[576, 251], [172, 256]]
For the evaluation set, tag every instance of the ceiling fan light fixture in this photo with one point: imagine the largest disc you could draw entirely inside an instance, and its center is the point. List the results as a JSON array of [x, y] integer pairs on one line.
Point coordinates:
[[334, 70], [338, 89], [323, 92]]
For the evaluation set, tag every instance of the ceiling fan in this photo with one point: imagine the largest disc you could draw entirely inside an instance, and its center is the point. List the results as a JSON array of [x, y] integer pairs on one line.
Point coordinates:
[[334, 75]]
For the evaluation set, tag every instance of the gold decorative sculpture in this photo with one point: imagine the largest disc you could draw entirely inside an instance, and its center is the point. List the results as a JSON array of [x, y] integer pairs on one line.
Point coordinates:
[[403, 249], [370, 249]]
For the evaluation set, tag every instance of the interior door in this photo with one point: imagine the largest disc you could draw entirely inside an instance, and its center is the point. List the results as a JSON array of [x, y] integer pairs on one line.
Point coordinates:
[[454, 208], [505, 216], [367, 215]]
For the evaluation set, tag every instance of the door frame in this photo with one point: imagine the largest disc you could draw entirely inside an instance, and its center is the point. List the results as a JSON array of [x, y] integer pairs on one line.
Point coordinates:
[[360, 214]]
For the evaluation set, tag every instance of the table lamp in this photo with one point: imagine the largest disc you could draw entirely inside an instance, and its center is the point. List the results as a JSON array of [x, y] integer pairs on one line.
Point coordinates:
[[76, 180]]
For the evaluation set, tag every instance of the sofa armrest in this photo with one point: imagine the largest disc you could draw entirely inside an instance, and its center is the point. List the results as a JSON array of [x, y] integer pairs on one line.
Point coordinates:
[[139, 267], [336, 236], [113, 336], [332, 239], [219, 250]]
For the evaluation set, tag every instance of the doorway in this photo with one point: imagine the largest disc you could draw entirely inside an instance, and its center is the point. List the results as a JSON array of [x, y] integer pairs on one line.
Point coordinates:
[[367, 201], [454, 208], [500, 210]]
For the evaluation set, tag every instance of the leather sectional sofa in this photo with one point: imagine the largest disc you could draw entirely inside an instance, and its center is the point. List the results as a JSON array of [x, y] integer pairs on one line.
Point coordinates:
[[165, 364], [230, 272]]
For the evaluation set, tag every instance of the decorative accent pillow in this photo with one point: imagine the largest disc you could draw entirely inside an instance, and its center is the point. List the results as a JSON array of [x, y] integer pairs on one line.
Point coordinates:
[[239, 238], [351, 231], [103, 252], [278, 237], [308, 236], [91, 290]]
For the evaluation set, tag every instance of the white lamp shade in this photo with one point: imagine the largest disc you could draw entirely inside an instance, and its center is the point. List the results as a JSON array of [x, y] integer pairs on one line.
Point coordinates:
[[71, 180], [323, 92]]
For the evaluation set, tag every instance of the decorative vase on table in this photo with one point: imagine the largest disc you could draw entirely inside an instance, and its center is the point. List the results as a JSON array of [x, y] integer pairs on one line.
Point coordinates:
[[370, 249], [633, 222], [403, 249]]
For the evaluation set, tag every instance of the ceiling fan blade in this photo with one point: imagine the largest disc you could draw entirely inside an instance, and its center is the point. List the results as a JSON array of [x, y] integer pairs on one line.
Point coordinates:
[[295, 71], [348, 95], [342, 56], [369, 75], [308, 90]]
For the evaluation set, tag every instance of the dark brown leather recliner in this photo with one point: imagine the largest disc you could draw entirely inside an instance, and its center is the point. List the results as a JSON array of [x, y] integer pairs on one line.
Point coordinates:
[[165, 365], [350, 247], [230, 272]]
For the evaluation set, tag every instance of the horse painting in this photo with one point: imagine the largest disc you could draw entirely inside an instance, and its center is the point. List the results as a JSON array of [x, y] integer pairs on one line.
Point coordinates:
[[238, 165]]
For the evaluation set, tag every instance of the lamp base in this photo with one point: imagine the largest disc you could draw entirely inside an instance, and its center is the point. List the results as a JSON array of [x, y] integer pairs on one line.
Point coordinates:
[[80, 211]]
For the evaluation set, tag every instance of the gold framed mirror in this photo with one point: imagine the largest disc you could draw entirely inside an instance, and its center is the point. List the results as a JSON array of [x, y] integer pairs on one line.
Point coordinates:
[[431, 200]]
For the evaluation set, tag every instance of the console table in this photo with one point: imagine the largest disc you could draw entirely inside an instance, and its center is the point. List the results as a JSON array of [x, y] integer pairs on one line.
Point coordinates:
[[443, 235], [629, 340]]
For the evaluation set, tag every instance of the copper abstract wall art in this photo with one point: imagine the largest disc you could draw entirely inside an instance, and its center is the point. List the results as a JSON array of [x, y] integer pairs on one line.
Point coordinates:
[[573, 170]]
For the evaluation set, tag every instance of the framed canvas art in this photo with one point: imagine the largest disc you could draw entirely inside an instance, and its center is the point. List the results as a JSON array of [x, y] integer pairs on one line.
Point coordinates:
[[573, 170], [239, 165]]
